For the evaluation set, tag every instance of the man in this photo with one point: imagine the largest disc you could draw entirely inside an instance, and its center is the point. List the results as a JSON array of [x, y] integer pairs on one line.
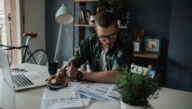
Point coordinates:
[[106, 52]]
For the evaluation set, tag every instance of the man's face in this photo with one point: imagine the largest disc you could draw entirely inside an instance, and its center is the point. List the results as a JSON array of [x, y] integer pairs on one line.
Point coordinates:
[[107, 36]]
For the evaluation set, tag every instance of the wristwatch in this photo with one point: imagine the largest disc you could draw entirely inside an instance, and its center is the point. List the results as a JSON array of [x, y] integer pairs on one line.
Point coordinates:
[[79, 76]]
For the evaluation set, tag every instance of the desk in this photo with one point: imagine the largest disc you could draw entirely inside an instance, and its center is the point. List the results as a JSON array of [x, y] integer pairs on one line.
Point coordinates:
[[31, 99]]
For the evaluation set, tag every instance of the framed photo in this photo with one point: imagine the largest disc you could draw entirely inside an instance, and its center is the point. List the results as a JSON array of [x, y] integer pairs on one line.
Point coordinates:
[[152, 44], [137, 46]]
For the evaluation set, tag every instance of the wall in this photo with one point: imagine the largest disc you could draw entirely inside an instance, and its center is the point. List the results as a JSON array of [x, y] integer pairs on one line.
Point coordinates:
[[34, 13], [179, 70], [154, 16]]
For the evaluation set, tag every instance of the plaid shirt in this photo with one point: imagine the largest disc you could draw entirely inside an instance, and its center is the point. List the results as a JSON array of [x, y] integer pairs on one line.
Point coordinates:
[[120, 55]]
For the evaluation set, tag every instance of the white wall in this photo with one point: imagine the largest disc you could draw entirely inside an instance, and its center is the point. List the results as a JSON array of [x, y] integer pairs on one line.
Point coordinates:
[[34, 12]]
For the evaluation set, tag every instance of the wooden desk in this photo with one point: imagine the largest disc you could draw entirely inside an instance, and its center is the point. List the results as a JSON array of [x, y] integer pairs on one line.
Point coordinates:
[[31, 99]]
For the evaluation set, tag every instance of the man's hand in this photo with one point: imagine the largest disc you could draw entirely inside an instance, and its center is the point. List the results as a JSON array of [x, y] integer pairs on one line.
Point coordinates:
[[60, 77], [71, 71]]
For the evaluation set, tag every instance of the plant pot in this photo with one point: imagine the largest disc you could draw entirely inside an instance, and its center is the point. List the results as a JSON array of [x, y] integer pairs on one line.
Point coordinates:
[[127, 106]]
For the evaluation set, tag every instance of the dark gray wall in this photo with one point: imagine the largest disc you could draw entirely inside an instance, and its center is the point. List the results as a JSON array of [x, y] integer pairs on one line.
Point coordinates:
[[179, 70], [154, 16]]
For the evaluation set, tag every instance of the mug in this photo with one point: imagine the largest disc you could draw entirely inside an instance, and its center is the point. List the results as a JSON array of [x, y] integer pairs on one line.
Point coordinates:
[[52, 67]]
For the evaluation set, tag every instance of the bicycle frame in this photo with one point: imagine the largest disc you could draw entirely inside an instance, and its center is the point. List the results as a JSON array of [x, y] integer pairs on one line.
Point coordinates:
[[27, 51]]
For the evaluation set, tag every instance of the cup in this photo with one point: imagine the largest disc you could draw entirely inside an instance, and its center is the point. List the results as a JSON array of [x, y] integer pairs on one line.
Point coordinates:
[[52, 67]]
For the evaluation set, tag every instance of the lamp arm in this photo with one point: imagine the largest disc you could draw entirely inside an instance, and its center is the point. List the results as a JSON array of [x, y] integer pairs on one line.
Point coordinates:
[[58, 44]]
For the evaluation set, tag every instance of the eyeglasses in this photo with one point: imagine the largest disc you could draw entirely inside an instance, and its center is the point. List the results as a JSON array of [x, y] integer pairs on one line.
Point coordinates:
[[110, 37]]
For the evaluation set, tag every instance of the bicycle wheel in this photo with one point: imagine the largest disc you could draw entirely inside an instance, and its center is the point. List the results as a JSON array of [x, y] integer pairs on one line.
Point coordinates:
[[39, 57]]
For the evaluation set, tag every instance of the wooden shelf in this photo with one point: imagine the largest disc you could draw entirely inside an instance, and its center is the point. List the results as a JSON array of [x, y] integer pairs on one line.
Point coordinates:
[[140, 55], [86, 0], [147, 55], [84, 25], [87, 25]]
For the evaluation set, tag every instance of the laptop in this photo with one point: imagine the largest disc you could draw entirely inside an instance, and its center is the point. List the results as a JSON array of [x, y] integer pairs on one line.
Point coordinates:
[[20, 80]]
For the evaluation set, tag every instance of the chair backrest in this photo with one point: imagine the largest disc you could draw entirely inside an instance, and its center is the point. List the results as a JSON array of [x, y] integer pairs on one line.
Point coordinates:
[[143, 70]]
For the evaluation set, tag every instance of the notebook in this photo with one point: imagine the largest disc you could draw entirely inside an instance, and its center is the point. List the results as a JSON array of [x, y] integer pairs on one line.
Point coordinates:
[[20, 80]]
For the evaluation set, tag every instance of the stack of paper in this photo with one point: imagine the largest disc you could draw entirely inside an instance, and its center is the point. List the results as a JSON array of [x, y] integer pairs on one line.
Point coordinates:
[[63, 98], [78, 95], [99, 91]]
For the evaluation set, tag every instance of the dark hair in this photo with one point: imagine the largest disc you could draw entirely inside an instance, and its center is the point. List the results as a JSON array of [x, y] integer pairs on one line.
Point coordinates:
[[105, 18]]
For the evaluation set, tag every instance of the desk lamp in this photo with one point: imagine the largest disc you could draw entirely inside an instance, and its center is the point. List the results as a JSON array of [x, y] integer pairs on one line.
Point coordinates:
[[63, 16]]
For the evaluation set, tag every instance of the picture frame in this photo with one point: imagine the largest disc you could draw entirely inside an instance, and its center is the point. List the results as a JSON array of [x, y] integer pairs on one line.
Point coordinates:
[[152, 44]]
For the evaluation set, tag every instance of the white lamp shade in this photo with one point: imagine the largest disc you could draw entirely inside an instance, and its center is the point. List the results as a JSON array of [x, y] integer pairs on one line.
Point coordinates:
[[63, 16]]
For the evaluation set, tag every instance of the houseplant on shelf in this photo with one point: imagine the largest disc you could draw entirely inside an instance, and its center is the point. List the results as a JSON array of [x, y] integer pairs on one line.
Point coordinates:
[[135, 89], [120, 8]]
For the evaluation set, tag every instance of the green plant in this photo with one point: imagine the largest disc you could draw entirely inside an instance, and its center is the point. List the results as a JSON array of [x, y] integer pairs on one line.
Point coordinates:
[[116, 6], [135, 89]]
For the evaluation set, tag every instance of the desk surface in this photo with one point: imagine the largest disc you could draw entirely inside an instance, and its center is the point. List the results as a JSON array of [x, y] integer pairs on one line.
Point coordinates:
[[31, 99]]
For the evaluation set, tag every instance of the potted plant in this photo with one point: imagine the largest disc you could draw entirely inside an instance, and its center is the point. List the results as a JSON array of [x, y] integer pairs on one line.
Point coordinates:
[[135, 89], [119, 7]]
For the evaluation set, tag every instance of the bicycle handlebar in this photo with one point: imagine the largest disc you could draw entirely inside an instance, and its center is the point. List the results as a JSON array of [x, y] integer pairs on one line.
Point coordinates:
[[12, 47]]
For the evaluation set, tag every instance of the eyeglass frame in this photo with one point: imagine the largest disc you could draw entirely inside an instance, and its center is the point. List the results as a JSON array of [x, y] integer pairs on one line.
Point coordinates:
[[108, 36]]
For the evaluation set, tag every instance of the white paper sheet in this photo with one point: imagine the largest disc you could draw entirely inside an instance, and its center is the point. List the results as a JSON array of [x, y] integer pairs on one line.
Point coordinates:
[[63, 98], [99, 91]]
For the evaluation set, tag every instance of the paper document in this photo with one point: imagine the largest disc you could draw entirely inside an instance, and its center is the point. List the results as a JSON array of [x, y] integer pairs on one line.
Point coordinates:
[[99, 91], [63, 98], [78, 95]]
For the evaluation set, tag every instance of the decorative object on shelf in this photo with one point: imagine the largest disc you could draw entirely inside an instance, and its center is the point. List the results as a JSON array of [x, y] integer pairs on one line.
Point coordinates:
[[137, 46], [135, 89], [137, 37], [92, 20], [87, 16], [119, 22], [63, 16], [128, 19], [84, 15], [152, 44]]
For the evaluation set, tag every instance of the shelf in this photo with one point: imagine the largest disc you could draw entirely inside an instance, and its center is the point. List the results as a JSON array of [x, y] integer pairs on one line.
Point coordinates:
[[87, 25], [84, 25], [140, 55], [86, 0], [146, 55]]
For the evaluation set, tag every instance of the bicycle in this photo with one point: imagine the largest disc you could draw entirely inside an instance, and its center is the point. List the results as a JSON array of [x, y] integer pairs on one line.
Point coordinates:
[[39, 56]]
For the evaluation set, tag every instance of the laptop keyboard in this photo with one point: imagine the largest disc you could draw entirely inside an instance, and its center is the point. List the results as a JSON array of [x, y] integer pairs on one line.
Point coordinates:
[[21, 80]]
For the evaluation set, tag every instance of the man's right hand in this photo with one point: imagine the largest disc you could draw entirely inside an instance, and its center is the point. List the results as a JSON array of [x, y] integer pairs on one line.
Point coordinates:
[[60, 77]]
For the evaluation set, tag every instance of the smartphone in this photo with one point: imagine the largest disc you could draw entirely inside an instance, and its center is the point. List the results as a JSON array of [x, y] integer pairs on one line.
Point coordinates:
[[59, 85]]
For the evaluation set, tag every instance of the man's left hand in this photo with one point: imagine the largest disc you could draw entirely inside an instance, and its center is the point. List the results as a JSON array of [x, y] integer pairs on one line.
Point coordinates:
[[71, 72]]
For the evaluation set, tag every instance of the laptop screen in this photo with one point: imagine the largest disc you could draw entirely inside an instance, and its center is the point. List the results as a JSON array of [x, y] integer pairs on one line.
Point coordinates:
[[5, 68]]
